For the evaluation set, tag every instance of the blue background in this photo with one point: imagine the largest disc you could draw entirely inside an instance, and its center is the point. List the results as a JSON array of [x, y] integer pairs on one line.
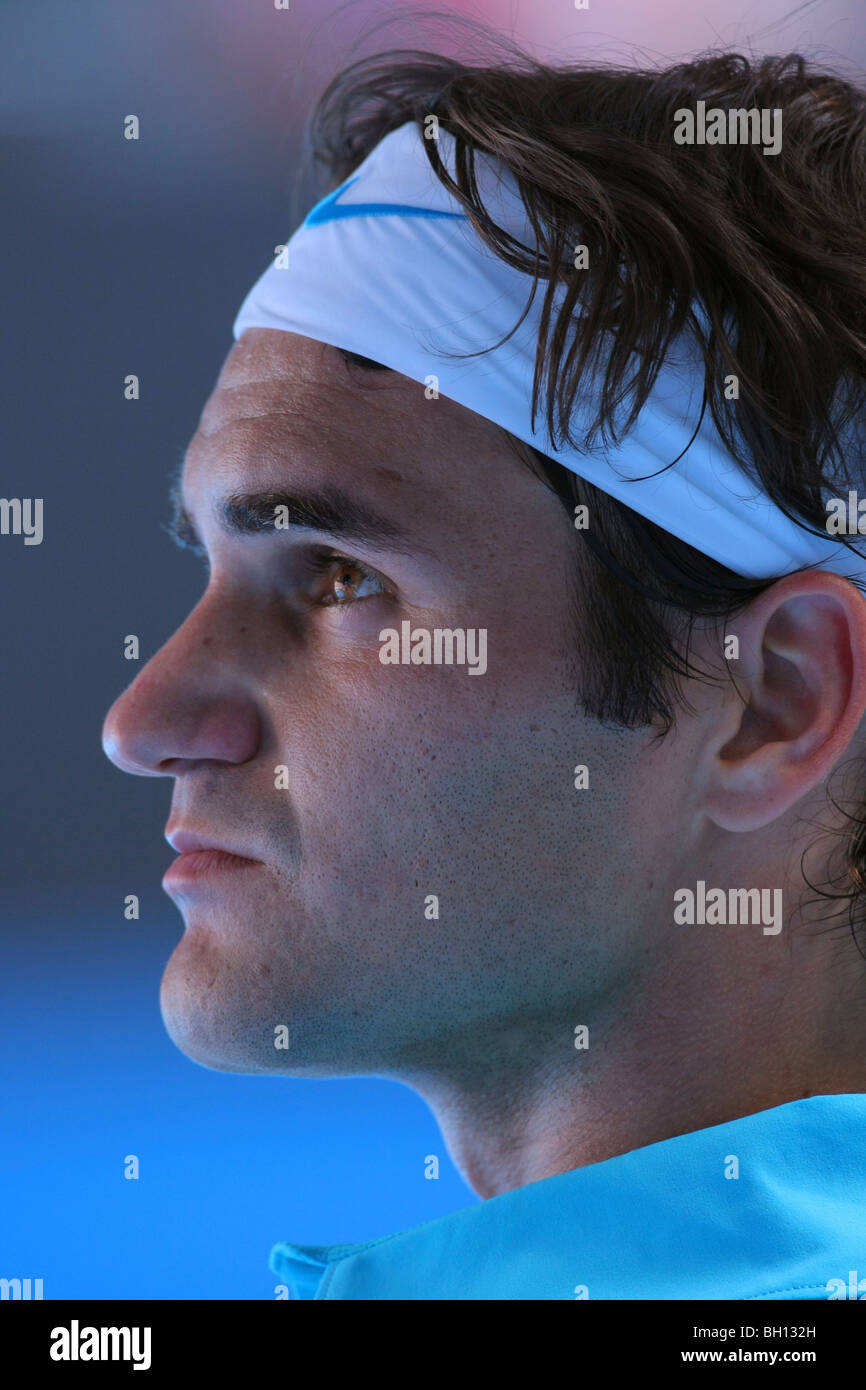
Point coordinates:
[[229, 1164]]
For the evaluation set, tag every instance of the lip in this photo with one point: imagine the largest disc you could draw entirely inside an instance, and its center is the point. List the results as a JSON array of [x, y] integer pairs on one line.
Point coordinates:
[[200, 856], [204, 863], [189, 841]]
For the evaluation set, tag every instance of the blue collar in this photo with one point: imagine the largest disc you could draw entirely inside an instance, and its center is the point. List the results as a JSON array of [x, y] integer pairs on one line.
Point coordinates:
[[772, 1205]]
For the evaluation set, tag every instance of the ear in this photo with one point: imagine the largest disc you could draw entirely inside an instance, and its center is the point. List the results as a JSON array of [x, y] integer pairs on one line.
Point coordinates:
[[801, 678]]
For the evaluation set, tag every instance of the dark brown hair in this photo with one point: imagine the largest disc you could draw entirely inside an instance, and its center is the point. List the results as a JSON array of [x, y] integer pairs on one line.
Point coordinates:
[[771, 248]]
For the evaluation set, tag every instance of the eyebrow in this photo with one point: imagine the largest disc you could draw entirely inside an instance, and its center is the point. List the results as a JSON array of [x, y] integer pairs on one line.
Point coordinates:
[[326, 509]]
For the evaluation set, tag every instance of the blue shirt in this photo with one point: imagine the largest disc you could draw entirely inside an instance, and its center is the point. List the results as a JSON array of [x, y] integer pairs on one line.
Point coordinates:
[[772, 1205]]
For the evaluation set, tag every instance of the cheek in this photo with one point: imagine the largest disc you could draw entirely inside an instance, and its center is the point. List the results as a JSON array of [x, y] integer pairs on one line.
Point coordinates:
[[414, 778]]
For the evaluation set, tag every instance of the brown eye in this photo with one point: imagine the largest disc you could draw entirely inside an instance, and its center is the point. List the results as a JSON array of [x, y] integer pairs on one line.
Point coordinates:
[[346, 580]]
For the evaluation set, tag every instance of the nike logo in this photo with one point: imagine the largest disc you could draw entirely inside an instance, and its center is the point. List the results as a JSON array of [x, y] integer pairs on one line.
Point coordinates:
[[328, 210]]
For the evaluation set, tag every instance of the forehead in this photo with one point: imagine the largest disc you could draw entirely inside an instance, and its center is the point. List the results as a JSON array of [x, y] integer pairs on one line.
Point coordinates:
[[288, 409]]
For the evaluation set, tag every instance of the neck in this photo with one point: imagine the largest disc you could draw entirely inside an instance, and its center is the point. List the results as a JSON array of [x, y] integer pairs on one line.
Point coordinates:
[[701, 1041]]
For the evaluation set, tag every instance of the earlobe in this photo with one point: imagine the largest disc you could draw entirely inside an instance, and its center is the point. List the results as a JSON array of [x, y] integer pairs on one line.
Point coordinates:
[[797, 699]]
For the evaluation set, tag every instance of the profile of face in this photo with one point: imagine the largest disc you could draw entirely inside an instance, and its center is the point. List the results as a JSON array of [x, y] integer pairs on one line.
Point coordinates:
[[411, 875]]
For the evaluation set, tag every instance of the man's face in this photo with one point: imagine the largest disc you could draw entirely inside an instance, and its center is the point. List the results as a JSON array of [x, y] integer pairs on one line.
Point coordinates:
[[401, 781]]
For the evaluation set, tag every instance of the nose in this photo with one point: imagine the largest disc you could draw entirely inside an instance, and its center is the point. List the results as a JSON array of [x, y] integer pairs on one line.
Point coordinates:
[[194, 701]]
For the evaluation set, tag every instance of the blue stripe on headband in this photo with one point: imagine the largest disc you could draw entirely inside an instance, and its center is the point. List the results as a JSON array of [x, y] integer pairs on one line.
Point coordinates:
[[328, 210]]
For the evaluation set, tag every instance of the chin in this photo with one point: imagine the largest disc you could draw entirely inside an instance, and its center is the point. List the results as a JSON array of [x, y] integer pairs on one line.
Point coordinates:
[[208, 1020], [221, 1006]]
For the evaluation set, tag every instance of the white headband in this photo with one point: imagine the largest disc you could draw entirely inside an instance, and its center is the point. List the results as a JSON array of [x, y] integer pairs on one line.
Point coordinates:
[[389, 266]]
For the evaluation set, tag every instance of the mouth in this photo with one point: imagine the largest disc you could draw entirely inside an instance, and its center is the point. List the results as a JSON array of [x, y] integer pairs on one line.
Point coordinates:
[[201, 863], [200, 857]]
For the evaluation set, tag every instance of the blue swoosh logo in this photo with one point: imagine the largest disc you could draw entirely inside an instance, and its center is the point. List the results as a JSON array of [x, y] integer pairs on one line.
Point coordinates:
[[329, 210]]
